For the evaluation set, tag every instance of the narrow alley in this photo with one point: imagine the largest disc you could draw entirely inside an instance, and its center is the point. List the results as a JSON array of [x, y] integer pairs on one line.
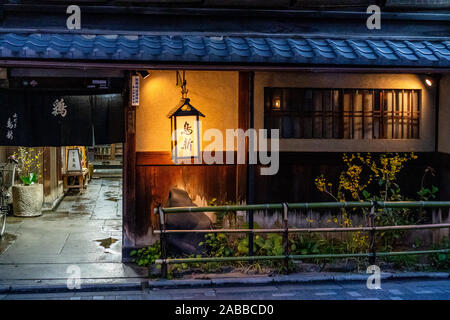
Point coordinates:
[[84, 230]]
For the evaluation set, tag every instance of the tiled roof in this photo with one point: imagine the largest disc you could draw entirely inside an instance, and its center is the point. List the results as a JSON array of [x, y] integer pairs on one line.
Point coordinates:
[[227, 49]]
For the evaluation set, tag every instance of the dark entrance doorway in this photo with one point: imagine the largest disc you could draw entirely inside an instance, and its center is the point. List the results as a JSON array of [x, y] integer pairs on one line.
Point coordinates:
[[57, 110]]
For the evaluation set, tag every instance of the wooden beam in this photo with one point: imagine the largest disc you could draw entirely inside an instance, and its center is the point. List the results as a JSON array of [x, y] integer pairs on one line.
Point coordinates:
[[298, 12], [243, 123], [150, 158], [163, 158], [129, 175], [216, 67]]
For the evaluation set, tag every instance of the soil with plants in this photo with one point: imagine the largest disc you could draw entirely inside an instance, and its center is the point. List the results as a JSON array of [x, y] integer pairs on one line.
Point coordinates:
[[364, 177]]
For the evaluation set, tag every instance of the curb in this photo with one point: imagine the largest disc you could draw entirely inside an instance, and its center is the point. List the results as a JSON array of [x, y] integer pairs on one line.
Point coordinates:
[[291, 279], [223, 282], [24, 289]]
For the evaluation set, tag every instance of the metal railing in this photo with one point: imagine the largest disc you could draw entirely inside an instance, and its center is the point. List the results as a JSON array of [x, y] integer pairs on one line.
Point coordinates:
[[285, 230]]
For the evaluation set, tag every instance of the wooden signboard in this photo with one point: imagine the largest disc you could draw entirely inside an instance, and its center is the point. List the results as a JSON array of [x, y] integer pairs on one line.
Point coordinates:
[[74, 160], [135, 83]]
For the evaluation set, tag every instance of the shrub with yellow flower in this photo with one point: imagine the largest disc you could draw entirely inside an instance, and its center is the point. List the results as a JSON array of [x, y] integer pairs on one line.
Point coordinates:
[[29, 166], [360, 172]]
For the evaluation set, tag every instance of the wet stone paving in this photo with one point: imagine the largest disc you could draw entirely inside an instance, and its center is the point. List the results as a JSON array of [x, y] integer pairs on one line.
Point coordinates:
[[85, 229]]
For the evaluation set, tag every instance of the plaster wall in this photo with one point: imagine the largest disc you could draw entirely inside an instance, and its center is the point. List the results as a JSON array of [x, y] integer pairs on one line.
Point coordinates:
[[215, 94]]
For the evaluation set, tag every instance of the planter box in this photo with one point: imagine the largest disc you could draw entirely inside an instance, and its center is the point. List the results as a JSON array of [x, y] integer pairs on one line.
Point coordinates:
[[27, 200]]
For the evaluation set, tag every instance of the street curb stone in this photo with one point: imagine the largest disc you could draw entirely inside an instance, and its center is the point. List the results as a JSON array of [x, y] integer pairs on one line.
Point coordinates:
[[63, 288], [4, 289], [241, 281], [285, 279], [187, 283], [178, 283], [436, 275], [112, 287]]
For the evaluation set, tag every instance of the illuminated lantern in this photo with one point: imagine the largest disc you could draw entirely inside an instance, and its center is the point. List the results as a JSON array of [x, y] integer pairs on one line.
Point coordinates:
[[185, 127]]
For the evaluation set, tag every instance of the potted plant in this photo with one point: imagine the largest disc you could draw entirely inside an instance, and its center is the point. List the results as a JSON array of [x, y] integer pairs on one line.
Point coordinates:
[[28, 196]]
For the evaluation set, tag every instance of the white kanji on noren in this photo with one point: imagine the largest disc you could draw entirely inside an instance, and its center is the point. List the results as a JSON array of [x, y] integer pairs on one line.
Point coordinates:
[[59, 108], [11, 124]]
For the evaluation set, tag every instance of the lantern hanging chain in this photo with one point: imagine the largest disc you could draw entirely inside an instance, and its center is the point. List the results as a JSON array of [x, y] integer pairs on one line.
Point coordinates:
[[182, 83]]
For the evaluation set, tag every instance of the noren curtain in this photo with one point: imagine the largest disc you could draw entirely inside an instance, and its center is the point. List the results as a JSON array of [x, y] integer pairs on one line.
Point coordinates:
[[49, 119]]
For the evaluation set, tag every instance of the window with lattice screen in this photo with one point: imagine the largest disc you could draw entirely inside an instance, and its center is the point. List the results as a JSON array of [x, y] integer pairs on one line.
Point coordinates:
[[306, 113]]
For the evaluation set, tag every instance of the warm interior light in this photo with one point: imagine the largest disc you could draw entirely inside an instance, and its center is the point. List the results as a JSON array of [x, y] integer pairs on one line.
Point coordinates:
[[428, 82], [277, 103]]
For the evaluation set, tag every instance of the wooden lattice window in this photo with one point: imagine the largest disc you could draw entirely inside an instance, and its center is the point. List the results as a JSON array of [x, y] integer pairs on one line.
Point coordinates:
[[304, 113]]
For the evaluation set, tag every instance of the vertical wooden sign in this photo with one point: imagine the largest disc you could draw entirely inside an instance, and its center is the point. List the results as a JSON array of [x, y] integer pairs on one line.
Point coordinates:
[[135, 82]]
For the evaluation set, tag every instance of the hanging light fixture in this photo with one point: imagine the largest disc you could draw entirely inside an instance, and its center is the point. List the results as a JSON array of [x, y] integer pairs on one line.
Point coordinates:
[[144, 74], [185, 126]]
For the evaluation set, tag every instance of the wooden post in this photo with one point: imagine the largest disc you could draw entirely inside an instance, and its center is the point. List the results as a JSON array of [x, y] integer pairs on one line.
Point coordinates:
[[286, 237], [243, 123], [113, 152], [129, 173], [246, 121], [46, 171], [372, 233], [163, 243]]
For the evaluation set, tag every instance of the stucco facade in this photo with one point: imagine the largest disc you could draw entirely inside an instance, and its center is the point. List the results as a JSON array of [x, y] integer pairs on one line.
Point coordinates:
[[215, 94]]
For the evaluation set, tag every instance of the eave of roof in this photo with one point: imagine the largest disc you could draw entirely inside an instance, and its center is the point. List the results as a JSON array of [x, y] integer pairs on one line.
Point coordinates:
[[290, 50]]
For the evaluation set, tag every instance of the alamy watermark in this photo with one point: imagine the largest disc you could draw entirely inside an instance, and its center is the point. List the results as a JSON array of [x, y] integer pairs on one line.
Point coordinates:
[[74, 278], [259, 150], [374, 280], [374, 20], [74, 20]]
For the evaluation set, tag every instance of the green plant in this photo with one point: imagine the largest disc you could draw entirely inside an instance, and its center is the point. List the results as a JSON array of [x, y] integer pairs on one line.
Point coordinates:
[[177, 267], [425, 193], [441, 261], [218, 245], [403, 261], [30, 179], [29, 166], [304, 244], [145, 257], [269, 245]]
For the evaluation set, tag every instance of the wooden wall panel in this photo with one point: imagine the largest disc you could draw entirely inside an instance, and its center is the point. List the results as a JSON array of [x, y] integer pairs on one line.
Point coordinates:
[[201, 182], [294, 181]]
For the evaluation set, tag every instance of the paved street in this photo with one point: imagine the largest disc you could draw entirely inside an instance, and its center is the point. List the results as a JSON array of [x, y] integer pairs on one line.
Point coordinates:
[[390, 290]]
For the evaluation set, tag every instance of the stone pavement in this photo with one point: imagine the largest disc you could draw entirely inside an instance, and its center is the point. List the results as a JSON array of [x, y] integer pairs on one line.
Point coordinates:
[[85, 230], [390, 290]]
